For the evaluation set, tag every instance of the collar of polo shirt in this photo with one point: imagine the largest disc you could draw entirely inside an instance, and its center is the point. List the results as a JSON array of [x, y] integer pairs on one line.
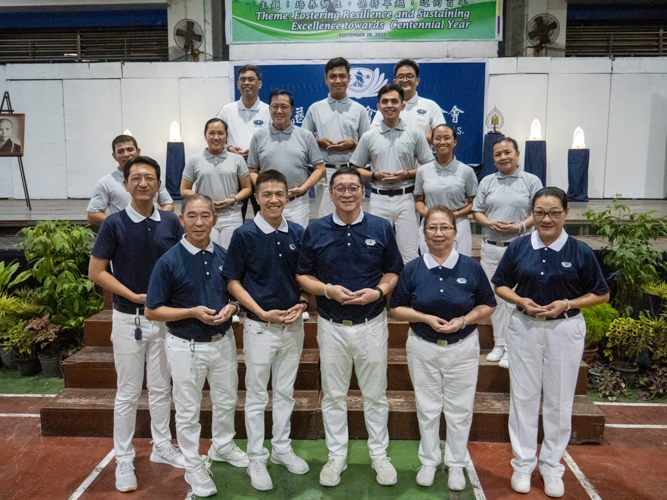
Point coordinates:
[[267, 228], [242, 107], [339, 222], [556, 245], [414, 99], [193, 249], [384, 129], [516, 174], [449, 166], [288, 130], [331, 100], [136, 217], [449, 263], [208, 155]]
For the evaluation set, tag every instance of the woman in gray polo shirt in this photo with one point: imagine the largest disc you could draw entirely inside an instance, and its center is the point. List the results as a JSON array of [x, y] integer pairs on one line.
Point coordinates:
[[221, 175], [447, 182]]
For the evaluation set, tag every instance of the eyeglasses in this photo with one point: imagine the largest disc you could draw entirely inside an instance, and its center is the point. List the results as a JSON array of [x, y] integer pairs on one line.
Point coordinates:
[[442, 229], [249, 79], [553, 214], [282, 107], [409, 78], [354, 189]]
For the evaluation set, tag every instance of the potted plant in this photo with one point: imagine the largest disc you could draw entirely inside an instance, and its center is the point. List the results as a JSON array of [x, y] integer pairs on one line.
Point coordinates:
[[629, 253], [610, 384], [12, 310], [24, 344], [598, 319], [9, 309], [46, 337]]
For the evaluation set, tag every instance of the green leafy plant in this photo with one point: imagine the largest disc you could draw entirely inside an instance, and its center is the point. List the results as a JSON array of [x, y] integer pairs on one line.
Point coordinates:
[[628, 337], [658, 288], [629, 251], [7, 272], [46, 333], [653, 383], [23, 343], [611, 385], [598, 320]]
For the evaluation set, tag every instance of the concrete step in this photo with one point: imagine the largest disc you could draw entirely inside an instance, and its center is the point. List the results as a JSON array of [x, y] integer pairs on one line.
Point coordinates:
[[89, 412]]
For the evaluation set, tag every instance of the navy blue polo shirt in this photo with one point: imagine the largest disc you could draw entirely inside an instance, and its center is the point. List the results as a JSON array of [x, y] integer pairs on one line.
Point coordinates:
[[263, 260], [351, 255], [566, 269], [448, 291], [133, 244], [186, 277]]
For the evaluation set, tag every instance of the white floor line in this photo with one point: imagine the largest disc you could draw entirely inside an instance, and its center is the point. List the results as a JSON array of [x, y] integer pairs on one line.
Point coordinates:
[[28, 395], [636, 426], [614, 403], [593, 495], [30, 415], [474, 481], [96, 472]]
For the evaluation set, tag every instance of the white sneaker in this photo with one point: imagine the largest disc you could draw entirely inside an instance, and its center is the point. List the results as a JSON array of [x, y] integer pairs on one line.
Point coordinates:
[[425, 475], [330, 474], [169, 455], [504, 362], [235, 456], [125, 478], [259, 476], [521, 482], [456, 481], [553, 486], [201, 482], [496, 353], [385, 472], [294, 464]]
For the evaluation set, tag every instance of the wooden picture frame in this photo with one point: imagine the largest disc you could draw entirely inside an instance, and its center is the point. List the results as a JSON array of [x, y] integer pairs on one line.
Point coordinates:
[[12, 132]]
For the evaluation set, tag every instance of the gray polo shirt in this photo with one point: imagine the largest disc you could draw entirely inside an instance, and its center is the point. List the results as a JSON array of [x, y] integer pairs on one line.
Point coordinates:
[[288, 151], [216, 176], [392, 150], [109, 193], [507, 198], [337, 120], [419, 112], [449, 186]]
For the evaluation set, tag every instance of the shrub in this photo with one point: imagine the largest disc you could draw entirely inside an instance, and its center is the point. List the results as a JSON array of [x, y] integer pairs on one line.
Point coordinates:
[[598, 320]]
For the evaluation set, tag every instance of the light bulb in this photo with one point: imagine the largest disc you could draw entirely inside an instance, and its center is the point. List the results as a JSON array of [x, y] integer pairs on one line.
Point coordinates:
[[535, 131], [127, 132], [175, 133], [578, 139]]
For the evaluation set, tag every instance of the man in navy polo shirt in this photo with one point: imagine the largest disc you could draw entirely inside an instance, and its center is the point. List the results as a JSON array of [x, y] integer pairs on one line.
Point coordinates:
[[261, 268], [133, 240], [350, 261], [188, 291]]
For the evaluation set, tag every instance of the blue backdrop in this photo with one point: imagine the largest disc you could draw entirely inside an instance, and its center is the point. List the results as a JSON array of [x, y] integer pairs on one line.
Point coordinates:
[[457, 87]]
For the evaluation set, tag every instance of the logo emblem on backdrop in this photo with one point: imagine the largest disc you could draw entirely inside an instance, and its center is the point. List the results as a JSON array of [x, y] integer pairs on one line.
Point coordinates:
[[365, 82], [566, 264], [370, 242], [454, 113], [462, 281]]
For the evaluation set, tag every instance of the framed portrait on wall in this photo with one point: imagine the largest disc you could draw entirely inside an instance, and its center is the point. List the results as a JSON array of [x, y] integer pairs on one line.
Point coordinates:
[[12, 130]]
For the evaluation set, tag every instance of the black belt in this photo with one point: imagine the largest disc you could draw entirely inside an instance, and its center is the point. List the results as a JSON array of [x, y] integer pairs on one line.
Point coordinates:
[[444, 342], [337, 165], [498, 243], [214, 338], [565, 314], [393, 192], [128, 309]]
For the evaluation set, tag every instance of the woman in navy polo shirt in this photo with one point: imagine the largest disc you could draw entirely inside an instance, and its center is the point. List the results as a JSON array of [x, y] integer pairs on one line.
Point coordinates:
[[555, 276], [443, 295]]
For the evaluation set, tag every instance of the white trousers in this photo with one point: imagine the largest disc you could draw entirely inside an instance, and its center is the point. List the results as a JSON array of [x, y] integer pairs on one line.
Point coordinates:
[[490, 258], [129, 355], [463, 237], [190, 364], [544, 357], [270, 349], [444, 378], [400, 212], [323, 201], [365, 347], [298, 210], [225, 227]]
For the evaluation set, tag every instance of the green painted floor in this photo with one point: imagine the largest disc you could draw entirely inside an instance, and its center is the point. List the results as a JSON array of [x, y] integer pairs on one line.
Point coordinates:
[[12, 383], [357, 482]]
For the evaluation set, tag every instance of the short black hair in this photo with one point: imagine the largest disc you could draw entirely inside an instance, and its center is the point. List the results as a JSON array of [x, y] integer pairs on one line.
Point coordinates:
[[551, 191], [503, 139], [407, 62], [337, 62], [143, 160], [454, 134], [391, 87], [215, 120], [196, 197], [249, 67], [278, 92], [121, 139], [270, 176], [346, 171]]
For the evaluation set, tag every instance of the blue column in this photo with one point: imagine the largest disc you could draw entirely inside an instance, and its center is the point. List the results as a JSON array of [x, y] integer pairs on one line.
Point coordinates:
[[536, 159], [487, 166], [174, 168], [577, 174]]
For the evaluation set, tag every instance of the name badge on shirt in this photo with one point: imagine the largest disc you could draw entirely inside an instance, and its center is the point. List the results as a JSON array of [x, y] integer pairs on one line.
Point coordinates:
[[370, 242]]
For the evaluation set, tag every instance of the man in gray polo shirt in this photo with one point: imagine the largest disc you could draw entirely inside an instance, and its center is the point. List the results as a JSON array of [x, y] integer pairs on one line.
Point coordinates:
[[338, 122], [110, 193], [393, 149], [289, 150]]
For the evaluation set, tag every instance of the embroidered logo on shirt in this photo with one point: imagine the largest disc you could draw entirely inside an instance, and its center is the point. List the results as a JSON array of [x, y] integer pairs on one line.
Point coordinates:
[[259, 123], [566, 264], [462, 281], [421, 111], [292, 246], [220, 268], [370, 242]]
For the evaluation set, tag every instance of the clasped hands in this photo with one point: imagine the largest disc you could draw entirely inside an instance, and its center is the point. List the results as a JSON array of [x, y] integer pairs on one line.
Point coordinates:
[[283, 317], [391, 177], [504, 227], [549, 311], [347, 298], [208, 316], [336, 147], [443, 326]]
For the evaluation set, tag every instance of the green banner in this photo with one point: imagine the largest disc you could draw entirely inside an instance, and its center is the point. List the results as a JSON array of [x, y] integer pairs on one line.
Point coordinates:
[[285, 21]]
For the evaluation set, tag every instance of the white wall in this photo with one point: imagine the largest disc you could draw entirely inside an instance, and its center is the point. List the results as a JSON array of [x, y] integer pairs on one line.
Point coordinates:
[[74, 110]]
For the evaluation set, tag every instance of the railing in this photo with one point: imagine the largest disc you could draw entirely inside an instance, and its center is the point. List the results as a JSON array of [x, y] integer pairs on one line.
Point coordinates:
[[616, 41]]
